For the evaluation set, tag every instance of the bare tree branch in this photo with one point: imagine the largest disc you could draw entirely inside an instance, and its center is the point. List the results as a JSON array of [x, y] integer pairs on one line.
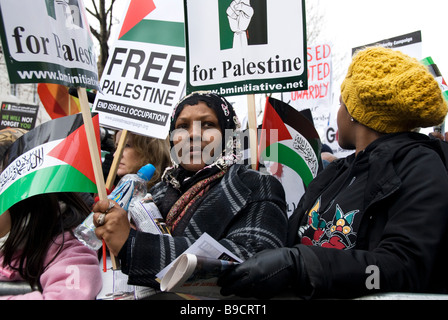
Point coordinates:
[[103, 13]]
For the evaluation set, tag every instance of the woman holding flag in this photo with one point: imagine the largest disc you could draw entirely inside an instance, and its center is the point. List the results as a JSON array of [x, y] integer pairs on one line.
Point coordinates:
[[205, 191]]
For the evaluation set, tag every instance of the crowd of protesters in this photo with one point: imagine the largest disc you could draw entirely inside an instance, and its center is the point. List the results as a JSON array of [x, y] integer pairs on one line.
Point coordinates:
[[383, 206]]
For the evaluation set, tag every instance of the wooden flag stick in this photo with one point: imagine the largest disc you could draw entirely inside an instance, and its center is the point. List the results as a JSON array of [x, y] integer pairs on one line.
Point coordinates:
[[252, 121], [117, 157], [93, 148], [69, 104]]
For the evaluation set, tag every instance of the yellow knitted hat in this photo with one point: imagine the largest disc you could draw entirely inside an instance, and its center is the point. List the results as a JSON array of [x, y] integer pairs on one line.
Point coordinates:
[[389, 91]]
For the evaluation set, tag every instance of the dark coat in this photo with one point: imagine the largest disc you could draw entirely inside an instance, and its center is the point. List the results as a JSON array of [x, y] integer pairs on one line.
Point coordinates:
[[245, 212], [401, 227]]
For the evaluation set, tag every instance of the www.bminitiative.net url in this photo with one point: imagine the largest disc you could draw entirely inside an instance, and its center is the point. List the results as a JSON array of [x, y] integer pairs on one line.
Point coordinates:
[[58, 76]]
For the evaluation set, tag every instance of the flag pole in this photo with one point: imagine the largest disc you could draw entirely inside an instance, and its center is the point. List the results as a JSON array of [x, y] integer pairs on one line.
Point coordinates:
[[93, 146], [95, 157], [252, 121], [69, 103]]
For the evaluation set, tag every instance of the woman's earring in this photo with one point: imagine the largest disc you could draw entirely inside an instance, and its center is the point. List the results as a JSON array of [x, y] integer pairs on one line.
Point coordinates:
[[352, 120]]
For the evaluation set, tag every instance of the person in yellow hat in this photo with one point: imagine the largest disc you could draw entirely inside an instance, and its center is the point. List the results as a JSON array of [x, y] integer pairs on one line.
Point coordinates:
[[377, 220]]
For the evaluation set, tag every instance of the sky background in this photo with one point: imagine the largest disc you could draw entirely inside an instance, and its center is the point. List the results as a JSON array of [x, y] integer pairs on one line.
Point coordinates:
[[353, 23]]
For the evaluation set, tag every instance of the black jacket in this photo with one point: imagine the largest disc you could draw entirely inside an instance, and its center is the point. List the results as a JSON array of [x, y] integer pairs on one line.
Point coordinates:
[[393, 199], [245, 212]]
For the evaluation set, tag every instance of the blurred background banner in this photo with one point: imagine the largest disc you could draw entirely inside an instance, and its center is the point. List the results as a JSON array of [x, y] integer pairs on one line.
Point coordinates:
[[57, 100]]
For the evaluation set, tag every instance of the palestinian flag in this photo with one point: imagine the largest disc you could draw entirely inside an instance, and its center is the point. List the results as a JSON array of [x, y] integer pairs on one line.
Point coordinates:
[[155, 28], [57, 100], [289, 148], [432, 67], [53, 157]]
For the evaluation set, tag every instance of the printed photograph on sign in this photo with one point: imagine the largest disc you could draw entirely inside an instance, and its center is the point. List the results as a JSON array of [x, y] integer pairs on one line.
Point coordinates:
[[247, 46]]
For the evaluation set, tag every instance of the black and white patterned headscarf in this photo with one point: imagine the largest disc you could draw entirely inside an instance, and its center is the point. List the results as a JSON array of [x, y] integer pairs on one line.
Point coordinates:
[[227, 120]]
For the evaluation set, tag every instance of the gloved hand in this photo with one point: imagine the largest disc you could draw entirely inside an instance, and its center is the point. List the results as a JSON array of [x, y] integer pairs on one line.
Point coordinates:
[[264, 275]]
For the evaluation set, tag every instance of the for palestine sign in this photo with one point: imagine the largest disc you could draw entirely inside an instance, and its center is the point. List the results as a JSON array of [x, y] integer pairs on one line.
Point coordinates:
[[243, 47], [48, 41]]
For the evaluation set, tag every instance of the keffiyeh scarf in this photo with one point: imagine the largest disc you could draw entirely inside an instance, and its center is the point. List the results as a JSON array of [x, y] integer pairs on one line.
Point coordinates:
[[193, 185]]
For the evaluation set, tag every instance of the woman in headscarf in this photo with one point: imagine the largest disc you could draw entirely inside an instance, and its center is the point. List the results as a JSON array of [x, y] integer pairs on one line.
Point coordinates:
[[205, 191]]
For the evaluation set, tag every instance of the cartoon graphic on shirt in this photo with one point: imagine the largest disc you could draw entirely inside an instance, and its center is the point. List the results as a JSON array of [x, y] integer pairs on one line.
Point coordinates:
[[314, 222], [338, 233]]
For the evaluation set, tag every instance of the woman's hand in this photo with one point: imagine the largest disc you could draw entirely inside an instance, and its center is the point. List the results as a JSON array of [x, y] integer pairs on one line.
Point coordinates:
[[115, 228]]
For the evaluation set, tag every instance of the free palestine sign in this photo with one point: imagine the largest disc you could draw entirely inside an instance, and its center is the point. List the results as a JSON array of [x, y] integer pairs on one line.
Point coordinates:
[[144, 76]]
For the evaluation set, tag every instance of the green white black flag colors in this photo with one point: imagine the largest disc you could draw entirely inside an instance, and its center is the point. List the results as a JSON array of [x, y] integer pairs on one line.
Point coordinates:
[[53, 157], [289, 148]]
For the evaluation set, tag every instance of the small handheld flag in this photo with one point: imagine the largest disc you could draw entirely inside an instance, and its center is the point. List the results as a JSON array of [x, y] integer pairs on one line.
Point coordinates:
[[53, 157], [289, 148]]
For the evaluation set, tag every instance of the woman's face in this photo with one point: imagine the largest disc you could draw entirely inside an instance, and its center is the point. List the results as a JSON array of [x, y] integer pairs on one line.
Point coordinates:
[[345, 128], [129, 159], [197, 137]]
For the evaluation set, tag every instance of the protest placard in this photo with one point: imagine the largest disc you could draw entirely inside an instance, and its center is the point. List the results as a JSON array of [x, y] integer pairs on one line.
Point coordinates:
[[144, 76], [410, 44], [49, 41], [18, 115], [238, 47], [318, 98]]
